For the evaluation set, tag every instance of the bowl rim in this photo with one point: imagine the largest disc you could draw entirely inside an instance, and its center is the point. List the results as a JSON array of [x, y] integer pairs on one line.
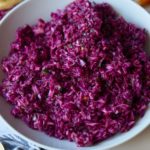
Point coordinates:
[[37, 144], [34, 143]]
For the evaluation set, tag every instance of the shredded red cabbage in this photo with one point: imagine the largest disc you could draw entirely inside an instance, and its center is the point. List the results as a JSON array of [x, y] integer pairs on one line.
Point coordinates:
[[2, 13], [83, 76]]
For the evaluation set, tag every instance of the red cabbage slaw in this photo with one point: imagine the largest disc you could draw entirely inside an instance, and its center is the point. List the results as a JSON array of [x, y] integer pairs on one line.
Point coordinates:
[[2, 13], [82, 76]]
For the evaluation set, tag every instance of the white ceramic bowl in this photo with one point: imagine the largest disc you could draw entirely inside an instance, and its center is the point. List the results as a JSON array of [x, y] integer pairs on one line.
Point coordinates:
[[27, 13]]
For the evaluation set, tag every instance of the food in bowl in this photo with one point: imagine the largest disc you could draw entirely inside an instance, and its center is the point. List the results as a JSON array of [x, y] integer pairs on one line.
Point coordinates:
[[2, 13], [83, 76]]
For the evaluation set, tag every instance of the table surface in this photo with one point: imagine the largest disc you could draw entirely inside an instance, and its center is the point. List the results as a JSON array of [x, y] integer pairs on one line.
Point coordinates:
[[140, 142]]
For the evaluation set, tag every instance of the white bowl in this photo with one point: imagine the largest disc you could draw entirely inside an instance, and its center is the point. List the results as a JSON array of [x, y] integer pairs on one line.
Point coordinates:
[[27, 13]]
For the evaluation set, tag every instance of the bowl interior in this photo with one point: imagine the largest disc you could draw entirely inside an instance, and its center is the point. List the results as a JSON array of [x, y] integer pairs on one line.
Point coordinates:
[[28, 13]]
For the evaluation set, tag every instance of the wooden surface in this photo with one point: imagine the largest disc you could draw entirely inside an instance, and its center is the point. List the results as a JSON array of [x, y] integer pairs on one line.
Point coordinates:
[[140, 142]]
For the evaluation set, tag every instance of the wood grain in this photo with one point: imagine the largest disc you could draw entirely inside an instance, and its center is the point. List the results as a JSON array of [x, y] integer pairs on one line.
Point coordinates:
[[144, 2]]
